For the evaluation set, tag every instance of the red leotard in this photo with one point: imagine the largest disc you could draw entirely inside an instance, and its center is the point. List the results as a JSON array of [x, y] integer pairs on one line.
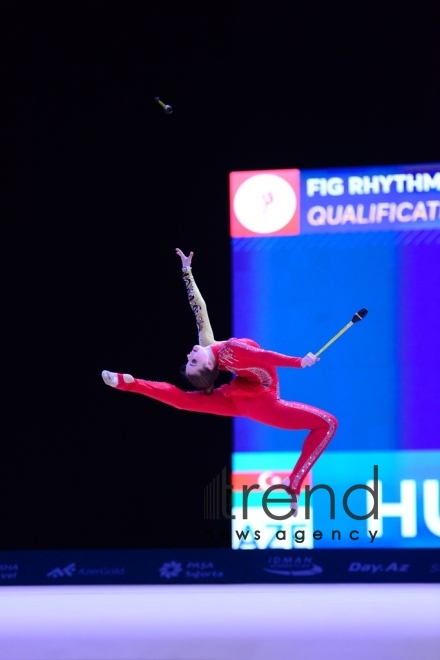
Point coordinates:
[[253, 393]]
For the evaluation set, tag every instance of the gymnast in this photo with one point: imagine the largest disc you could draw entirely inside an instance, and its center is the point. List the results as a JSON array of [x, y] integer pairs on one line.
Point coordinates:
[[252, 393]]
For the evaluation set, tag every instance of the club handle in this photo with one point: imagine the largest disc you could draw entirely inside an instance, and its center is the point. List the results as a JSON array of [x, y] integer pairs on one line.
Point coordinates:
[[341, 332]]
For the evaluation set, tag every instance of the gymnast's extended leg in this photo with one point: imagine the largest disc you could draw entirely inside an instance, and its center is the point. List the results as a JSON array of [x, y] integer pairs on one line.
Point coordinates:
[[215, 404], [290, 415]]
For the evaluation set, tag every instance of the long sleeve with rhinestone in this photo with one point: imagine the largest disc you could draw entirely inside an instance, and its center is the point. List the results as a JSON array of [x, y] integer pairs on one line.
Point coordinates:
[[198, 306], [243, 355]]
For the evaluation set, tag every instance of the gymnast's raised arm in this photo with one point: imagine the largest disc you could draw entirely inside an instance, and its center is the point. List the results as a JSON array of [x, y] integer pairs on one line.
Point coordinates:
[[197, 304]]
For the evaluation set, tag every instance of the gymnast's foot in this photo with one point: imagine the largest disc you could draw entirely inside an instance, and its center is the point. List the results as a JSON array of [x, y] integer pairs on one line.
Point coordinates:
[[293, 505], [111, 378]]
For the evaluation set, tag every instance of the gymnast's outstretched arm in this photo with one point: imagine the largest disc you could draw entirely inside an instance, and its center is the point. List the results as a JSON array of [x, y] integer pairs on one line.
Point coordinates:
[[196, 301], [240, 352]]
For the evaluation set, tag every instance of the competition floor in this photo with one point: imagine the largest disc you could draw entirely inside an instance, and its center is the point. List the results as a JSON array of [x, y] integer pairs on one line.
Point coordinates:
[[221, 622]]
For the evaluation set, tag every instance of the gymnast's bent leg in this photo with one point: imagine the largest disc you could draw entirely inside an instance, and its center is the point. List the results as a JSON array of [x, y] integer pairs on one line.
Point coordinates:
[[215, 404], [290, 415]]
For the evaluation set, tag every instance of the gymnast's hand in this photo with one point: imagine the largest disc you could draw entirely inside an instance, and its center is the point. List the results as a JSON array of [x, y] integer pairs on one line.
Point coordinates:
[[309, 360], [186, 261]]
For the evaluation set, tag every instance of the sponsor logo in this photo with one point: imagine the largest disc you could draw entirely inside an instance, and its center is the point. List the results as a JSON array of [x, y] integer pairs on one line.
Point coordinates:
[[191, 569], [264, 203], [170, 569], [292, 566], [392, 567], [71, 569], [8, 571], [62, 572]]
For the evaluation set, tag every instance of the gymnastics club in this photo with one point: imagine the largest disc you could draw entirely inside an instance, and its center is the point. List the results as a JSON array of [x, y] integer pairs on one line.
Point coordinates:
[[166, 108], [362, 313]]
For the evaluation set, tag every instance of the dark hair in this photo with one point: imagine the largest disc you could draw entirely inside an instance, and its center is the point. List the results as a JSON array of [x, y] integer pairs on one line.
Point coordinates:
[[204, 379]]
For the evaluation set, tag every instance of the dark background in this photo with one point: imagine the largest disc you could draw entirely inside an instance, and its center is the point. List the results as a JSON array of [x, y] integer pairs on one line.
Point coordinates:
[[100, 187]]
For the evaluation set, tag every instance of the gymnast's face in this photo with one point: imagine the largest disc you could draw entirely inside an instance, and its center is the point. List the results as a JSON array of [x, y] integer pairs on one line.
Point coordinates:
[[199, 357]]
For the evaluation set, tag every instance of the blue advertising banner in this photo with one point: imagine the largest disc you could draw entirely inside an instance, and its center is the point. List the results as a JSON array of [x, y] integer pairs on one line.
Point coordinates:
[[406, 497], [309, 249], [216, 566], [388, 198], [293, 202]]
